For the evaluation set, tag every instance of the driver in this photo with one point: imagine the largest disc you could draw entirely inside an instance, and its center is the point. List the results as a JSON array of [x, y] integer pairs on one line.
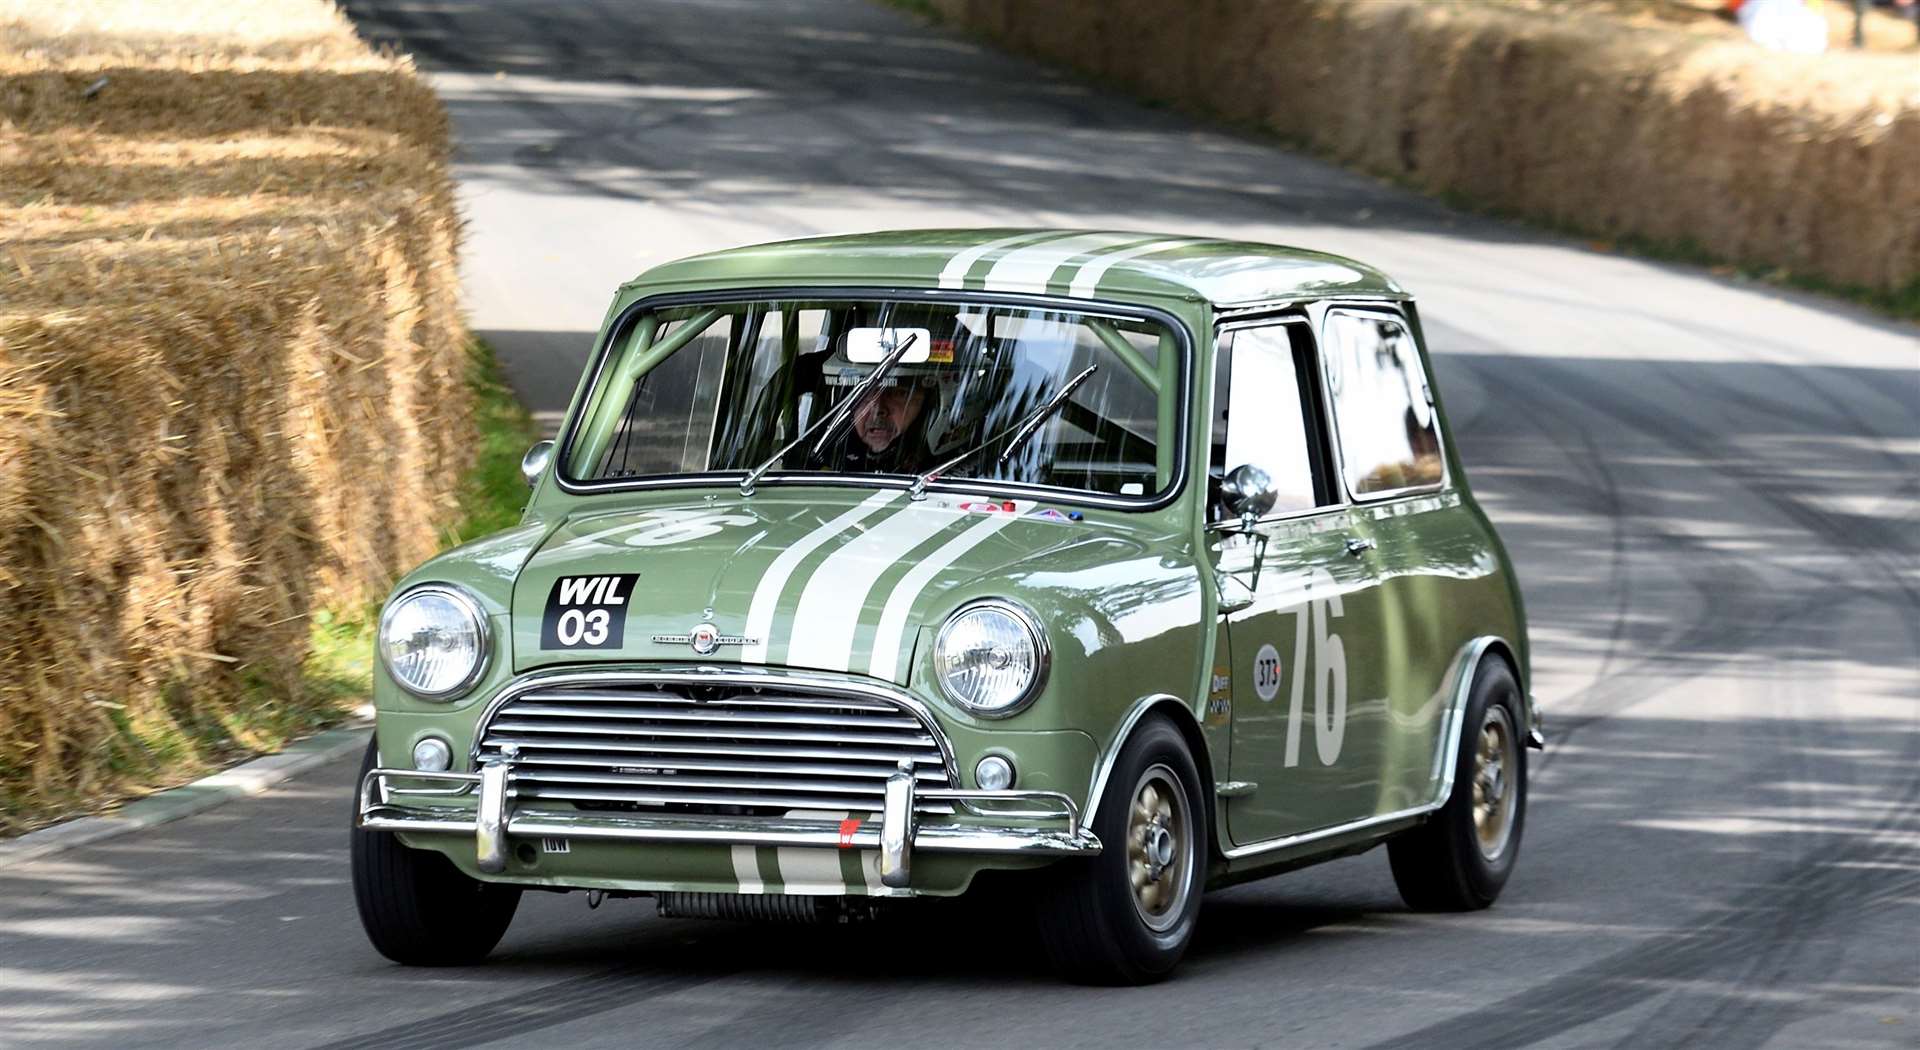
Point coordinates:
[[888, 435]]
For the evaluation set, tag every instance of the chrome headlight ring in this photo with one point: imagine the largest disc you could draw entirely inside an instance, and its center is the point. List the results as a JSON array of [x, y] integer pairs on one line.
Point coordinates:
[[464, 604], [1013, 621]]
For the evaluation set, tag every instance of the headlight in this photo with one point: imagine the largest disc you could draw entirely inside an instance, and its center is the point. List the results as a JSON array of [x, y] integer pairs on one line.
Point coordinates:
[[991, 657], [433, 640]]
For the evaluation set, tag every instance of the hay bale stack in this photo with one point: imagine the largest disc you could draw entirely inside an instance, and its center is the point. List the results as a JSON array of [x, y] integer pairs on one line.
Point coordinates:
[[232, 370], [1619, 129]]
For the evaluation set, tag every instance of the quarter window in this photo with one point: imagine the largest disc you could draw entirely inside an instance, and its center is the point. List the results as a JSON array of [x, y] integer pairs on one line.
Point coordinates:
[[1382, 407], [1263, 413]]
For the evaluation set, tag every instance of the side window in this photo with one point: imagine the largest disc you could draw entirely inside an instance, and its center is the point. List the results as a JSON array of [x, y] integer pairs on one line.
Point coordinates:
[[1389, 439], [667, 426], [1263, 413]]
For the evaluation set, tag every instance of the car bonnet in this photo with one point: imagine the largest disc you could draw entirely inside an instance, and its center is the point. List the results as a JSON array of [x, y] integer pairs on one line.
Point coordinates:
[[811, 577]]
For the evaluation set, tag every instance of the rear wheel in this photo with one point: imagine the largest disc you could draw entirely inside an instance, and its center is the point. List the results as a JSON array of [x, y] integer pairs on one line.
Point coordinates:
[[1460, 858], [1127, 915], [420, 910]]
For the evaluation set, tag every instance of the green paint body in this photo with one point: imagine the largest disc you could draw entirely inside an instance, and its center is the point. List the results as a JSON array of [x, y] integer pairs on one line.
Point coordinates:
[[1132, 599]]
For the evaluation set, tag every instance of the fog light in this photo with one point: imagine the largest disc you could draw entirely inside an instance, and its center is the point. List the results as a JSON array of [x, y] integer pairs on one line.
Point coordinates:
[[432, 755], [993, 773]]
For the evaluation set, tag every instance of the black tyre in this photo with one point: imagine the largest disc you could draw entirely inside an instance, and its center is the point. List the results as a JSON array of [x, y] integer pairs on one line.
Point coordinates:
[[420, 910], [1127, 915], [1461, 857]]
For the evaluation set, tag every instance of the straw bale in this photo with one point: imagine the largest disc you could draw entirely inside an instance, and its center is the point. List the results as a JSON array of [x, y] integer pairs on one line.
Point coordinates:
[[232, 372], [1613, 126]]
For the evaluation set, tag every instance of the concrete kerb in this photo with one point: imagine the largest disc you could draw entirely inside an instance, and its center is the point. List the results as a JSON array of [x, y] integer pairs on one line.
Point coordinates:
[[249, 778]]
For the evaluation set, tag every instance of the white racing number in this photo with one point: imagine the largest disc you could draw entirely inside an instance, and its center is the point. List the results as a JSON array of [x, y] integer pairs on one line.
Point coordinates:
[[590, 627], [1313, 616], [664, 528], [587, 612]]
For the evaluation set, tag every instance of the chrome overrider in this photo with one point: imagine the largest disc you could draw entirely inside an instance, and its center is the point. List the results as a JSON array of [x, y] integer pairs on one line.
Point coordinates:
[[411, 800]]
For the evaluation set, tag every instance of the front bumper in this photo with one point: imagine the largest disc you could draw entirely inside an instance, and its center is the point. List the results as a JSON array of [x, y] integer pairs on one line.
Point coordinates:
[[1046, 824]]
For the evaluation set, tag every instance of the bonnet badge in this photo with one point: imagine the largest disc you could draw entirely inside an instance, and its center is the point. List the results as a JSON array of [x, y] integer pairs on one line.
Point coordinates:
[[704, 638]]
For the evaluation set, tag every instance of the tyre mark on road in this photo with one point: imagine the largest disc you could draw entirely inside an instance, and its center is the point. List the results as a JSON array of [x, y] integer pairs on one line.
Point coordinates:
[[520, 1011], [1877, 868]]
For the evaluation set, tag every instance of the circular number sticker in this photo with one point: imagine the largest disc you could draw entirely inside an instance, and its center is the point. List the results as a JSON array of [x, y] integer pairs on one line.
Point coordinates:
[[1266, 673]]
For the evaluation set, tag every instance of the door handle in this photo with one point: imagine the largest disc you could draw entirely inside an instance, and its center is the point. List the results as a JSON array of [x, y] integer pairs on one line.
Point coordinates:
[[1357, 544]]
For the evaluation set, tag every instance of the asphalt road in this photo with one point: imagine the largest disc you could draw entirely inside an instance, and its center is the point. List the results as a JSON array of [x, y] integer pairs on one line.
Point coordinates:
[[1711, 490]]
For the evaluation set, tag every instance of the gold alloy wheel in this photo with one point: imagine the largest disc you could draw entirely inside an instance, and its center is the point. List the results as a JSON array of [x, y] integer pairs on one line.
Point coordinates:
[[1159, 848], [1496, 761]]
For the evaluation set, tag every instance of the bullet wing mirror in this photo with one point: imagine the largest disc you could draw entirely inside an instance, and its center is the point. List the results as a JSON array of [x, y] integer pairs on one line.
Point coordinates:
[[1248, 493], [535, 462]]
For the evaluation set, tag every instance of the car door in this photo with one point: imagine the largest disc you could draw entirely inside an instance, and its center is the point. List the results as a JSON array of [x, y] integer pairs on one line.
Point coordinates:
[[1434, 561], [1298, 597]]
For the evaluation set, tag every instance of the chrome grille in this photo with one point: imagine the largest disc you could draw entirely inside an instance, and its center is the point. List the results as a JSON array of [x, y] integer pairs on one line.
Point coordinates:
[[721, 750]]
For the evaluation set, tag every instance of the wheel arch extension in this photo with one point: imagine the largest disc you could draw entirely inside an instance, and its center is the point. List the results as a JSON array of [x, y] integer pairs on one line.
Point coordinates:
[[1492, 646], [1177, 712]]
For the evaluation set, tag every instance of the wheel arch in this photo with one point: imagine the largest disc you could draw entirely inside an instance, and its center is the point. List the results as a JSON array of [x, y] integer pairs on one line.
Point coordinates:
[[1495, 647], [1188, 725]]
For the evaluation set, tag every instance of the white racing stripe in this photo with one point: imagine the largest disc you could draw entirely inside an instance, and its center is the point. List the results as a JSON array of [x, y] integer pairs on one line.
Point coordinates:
[[766, 597], [746, 870], [954, 274], [807, 870], [1089, 276], [828, 614], [1029, 269], [893, 619]]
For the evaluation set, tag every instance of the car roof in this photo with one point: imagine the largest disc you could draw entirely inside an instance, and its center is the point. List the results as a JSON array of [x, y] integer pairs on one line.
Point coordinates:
[[1088, 264]]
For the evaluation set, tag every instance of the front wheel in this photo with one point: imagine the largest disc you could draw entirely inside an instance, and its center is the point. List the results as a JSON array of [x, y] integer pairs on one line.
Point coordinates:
[[1461, 857], [417, 908], [1127, 915]]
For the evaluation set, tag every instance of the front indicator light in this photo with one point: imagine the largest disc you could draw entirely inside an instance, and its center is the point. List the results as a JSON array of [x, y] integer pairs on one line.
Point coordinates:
[[993, 774], [432, 755]]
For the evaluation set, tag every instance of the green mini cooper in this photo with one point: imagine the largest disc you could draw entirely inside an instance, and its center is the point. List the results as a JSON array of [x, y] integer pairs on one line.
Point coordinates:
[[1128, 564]]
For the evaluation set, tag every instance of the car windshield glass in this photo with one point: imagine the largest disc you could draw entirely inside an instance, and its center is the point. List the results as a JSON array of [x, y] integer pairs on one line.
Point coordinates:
[[724, 388]]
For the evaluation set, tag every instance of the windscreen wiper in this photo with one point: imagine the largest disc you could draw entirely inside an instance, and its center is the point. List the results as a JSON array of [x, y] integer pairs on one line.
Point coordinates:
[[832, 420], [1021, 431]]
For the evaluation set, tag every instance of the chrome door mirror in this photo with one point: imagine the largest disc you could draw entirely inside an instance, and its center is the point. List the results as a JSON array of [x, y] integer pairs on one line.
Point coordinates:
[[534, 463], [1248, 493]]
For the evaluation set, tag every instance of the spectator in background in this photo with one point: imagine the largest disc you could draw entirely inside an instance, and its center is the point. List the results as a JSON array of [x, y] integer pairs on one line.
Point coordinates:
[[1795, 26]]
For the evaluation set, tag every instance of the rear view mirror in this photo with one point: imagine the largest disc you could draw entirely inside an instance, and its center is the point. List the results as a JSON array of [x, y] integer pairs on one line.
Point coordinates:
[[870, 346], [534, 463]]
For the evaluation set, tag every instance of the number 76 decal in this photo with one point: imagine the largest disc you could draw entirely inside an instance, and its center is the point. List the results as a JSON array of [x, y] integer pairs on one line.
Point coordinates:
[[1313, 616]]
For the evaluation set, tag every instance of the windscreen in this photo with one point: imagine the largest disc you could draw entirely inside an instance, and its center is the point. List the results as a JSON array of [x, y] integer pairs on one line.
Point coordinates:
[[975, 393]]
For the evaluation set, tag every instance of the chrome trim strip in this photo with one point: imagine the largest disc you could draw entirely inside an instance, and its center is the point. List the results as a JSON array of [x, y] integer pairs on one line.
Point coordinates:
[[1286, 841], [1105, 769], [1445, 763]]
